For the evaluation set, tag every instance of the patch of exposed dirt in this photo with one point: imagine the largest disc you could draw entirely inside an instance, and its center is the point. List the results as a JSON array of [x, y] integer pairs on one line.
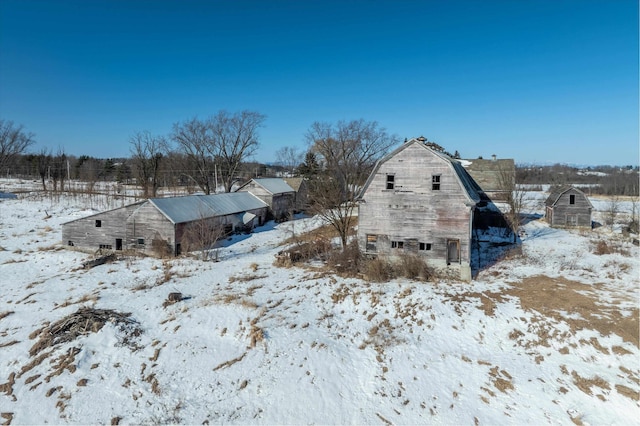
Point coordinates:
[[554, 297], [487, 301]]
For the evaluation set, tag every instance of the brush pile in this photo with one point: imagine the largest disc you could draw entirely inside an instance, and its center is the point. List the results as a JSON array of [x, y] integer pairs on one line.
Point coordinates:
[[82, 322]]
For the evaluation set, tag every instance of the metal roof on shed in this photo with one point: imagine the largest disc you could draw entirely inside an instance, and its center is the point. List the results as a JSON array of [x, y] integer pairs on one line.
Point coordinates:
[[273, 185], [194, 207]]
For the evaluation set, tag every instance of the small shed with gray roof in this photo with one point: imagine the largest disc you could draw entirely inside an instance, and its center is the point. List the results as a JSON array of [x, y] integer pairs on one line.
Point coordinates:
[[167, 225], [279, 196], [568, 207]]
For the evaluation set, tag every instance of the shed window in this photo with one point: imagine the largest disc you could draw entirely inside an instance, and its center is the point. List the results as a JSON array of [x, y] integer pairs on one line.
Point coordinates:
[[425, 246], [140, 241], [372, 241], [391, 179], [435, 182], [572, 199], [98, 223], [397, 244]]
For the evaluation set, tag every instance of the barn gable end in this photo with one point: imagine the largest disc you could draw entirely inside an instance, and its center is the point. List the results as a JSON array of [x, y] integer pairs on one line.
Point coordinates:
[[568, 207], [422, 201]]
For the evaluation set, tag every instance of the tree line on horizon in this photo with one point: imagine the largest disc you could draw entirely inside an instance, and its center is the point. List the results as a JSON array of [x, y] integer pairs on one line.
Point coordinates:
[[215, 152]]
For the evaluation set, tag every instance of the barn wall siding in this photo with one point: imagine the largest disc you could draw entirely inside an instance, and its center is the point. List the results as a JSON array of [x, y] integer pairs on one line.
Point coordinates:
[[147, 224], [138, 225], [84, 234], [564, 214], [281, 205], [413, 212]]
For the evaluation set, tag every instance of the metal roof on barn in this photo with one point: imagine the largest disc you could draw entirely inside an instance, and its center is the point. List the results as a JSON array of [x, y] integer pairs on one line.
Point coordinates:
[[195, 207], [273, 185]]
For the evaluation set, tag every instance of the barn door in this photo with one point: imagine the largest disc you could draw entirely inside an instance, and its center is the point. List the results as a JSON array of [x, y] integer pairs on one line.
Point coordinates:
[[118, 243], [453, 251]]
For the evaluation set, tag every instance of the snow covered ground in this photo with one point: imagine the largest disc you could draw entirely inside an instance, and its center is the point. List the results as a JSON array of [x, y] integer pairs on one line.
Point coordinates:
[[546, 337]]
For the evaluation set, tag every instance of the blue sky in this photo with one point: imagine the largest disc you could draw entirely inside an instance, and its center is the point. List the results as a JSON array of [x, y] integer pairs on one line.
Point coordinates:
[[537, 81]]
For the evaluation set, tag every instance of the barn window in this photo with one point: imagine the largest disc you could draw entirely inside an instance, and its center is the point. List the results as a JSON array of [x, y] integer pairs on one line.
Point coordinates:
[[106, 246], [70, 243], [425, 246], [391, 181], [572, 199], [435, 182], [397, 244], [98, 223], [372, 241], [140, 241]]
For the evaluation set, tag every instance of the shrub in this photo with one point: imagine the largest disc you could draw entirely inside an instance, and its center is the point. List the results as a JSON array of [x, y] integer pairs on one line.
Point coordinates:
[[303, 252], [378, 269], [346, 261], [602, 248], [413, 267]]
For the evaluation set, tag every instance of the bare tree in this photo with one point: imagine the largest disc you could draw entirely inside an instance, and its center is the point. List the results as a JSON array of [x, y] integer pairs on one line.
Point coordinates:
[[44, 163], [202, 235], [13, 142], [514, 196], [236, 138], [59, 169], [612, 210], [348, 151], [147, 152], [195, 140], [635, 215], [289, 157]]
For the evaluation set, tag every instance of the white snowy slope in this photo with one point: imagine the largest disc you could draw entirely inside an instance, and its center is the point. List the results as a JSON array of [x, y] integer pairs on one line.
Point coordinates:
[[545, 337]]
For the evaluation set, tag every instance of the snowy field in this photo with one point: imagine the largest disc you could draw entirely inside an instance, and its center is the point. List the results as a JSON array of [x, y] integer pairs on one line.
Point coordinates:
[[546, 337]]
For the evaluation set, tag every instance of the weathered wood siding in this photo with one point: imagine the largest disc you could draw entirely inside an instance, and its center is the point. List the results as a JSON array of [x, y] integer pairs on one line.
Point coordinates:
[[147, 224], [564, 214], [231, 223], [283, 205], [302, 193], [413, 212], [280, 205], [83, 233], [138, 225]]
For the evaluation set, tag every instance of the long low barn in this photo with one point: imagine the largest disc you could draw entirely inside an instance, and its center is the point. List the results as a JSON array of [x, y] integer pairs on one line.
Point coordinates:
[[167, 225]]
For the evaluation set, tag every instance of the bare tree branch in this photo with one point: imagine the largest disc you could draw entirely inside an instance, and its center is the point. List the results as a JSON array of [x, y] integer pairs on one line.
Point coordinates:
[[195, 140], [348, 151], [147, 152], [13, 141], [236, 138]]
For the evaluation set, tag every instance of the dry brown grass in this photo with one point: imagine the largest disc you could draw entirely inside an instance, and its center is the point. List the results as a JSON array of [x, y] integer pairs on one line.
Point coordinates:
[[246, 278], [554, 297], [602, 247], [229, 363], [5, 314], [86, 298]]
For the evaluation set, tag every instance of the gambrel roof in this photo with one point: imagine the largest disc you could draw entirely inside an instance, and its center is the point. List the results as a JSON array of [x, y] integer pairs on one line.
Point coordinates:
[[556, 193], [195, 207], [272, 185], [469, 187]]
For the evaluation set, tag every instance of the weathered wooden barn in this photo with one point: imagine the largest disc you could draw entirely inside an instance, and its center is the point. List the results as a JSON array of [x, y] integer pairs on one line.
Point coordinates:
[[422, 201], [167, 225], [278, 195], [299, 184], [495, 176], [568, 206]]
